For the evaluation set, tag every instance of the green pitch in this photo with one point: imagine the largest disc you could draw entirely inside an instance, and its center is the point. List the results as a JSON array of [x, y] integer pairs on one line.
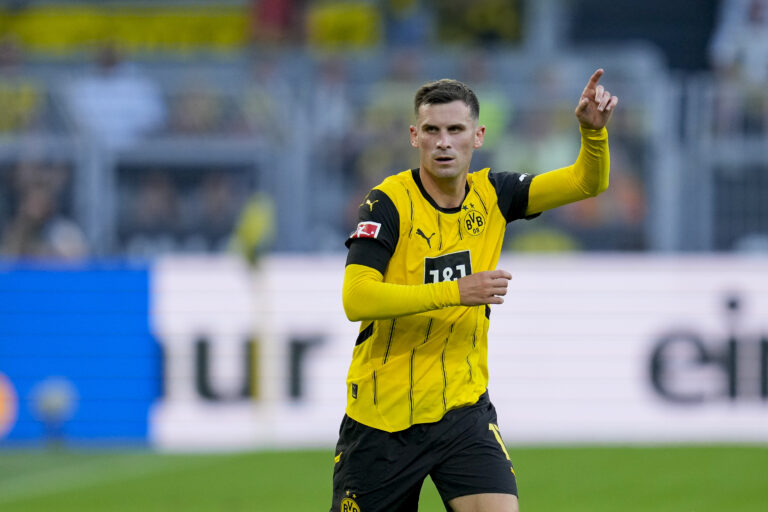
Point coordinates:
[[673, 479]]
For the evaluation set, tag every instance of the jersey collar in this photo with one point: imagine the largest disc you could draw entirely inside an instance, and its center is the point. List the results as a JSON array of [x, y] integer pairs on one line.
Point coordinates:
[[417, 179]]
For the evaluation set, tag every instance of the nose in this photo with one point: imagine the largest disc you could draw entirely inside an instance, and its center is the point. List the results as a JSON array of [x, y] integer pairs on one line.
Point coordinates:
[[443, 142]]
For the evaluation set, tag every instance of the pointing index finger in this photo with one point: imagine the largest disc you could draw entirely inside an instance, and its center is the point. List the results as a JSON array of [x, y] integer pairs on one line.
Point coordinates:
[[596, 76], [593, 80]]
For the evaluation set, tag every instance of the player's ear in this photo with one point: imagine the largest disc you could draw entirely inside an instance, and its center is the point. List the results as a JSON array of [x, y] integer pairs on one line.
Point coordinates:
[[414, 137], [479, 136]]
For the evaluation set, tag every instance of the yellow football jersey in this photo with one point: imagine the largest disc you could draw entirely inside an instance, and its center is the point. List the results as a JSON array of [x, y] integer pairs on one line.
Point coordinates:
[[413, 369]]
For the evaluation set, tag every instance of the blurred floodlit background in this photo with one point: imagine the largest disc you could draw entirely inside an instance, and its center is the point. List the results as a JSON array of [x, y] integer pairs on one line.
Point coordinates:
[[177, 179], [137, 129]]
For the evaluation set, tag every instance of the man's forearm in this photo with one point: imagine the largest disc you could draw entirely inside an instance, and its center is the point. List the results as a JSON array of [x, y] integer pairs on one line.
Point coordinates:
[[587, 177], [367, 297]]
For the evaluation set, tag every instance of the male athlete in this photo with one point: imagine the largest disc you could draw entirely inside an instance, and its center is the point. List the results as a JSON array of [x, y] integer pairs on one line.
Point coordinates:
[[420, 275]]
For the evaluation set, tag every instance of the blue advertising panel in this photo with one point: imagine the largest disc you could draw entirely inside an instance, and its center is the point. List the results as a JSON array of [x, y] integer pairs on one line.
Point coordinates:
[[77, 360]]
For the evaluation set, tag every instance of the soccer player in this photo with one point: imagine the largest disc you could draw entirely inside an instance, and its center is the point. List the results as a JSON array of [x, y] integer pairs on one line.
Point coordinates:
[[420, 276]]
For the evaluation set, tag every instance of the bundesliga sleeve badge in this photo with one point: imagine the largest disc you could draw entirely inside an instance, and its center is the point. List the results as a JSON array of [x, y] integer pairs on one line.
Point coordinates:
[[367, 229]]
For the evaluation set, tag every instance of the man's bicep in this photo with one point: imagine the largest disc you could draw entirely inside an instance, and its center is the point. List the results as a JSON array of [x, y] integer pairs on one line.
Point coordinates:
[[552, 189]]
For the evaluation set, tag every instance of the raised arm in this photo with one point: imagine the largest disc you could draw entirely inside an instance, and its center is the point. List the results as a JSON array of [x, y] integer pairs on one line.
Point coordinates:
[[588, 176]]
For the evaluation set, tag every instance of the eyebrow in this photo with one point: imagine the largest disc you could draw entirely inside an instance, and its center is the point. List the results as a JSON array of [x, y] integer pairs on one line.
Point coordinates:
[[450, 126]]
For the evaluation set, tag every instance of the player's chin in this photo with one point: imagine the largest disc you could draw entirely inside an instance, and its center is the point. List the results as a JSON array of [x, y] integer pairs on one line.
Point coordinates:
[[444, 169]]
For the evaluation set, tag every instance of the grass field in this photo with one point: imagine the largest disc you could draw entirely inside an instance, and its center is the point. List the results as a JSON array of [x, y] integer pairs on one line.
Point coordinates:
[[679, 479]]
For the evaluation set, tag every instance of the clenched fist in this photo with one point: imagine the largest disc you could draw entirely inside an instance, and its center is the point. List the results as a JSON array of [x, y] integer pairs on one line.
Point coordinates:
[[484, 287]]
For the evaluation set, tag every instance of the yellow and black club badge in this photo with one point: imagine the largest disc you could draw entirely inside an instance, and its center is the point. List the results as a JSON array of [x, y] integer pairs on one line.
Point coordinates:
[[349, 505], [473, 222]]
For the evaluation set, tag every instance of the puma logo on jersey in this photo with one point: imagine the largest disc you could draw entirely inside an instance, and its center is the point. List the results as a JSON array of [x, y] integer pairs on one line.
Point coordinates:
[[425, 237], [369, 203], [522, 177]]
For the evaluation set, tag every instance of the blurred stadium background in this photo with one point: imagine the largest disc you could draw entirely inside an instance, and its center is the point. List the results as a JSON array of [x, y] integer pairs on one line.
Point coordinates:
[[177, 179]]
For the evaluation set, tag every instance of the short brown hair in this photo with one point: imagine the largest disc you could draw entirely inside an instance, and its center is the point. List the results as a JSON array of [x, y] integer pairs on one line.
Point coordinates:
[[446, 90]]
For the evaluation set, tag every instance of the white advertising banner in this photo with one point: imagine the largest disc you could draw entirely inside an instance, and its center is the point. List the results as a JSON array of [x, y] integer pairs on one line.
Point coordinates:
[[584, 349]]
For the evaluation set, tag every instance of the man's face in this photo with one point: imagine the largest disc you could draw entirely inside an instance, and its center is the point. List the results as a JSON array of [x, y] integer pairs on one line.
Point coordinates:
[[446, 135]]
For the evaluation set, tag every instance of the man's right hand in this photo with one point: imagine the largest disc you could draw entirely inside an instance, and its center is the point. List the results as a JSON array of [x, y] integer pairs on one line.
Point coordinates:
[[484, 287]]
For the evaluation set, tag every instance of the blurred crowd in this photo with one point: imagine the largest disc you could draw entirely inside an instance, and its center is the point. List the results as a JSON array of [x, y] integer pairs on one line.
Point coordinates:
[[739, 56], [333, 80], [36, 221]]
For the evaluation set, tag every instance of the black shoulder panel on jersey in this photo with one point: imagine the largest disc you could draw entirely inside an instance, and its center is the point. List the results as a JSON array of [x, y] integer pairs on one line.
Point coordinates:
[[373, 241], [512, 191], [378, 212]]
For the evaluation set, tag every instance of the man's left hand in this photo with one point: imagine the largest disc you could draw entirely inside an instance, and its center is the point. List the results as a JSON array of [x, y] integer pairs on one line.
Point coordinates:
[[596, 104]]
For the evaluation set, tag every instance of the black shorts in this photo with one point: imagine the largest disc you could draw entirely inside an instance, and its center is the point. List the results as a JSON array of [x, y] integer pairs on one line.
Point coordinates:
[[382, 471]]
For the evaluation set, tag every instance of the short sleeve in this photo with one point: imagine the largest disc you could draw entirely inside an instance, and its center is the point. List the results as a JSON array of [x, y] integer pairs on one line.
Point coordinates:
[[512, 192], [378, 221]]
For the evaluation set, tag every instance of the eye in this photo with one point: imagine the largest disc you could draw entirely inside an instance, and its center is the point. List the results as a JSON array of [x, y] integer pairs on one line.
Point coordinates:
[[430, 129]]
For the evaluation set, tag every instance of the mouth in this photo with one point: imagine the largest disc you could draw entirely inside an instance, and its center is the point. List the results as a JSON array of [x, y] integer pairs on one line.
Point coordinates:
[[444, 159]]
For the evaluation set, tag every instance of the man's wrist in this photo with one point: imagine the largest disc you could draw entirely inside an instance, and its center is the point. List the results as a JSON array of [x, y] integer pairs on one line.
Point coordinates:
[[449, 293], [593, 133]]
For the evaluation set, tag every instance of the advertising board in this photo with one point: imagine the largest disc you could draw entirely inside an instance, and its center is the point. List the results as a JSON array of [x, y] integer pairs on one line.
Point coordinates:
[[584, 349]]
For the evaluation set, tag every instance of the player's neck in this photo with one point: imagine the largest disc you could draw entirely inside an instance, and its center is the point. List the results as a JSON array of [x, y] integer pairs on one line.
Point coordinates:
[[446, 192]]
